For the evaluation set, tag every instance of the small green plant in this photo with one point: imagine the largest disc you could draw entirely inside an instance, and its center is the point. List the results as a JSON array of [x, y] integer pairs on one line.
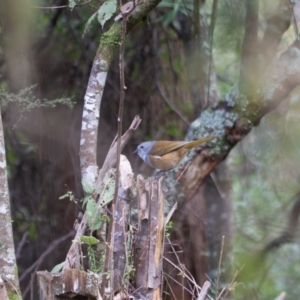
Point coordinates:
[[70, 195], [169, 228], [91, 241]]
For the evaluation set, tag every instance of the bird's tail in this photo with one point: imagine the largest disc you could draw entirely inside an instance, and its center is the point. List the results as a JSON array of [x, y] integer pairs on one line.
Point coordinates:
[[199, 142]]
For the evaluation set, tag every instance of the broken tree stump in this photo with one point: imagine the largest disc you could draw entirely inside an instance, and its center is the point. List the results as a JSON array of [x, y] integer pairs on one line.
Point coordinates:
[[150, 237], [69, 284]]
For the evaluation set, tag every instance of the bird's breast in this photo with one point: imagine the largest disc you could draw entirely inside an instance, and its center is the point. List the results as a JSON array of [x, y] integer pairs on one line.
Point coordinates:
[[165, 162]]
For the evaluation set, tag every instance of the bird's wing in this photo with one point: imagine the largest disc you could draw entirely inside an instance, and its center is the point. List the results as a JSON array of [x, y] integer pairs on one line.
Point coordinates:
[[166, 147]]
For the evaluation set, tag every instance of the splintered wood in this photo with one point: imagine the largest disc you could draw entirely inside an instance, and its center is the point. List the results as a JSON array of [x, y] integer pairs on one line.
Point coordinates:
[[68, 284], [150, 237], [148, 250]]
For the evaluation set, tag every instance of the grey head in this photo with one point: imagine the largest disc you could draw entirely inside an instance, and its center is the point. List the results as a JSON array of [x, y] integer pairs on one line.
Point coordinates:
[[143, 150]]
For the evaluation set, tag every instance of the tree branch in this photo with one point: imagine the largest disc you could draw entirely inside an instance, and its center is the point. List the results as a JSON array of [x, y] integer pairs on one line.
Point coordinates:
[[249, 78], [233, 118]]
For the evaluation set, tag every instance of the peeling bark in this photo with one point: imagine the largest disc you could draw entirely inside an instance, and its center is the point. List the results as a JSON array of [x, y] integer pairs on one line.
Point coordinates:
[[69, 284], [150, 237], [120, 251]]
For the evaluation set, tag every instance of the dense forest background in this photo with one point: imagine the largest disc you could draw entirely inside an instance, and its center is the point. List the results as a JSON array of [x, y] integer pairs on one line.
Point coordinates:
[[185, 56]]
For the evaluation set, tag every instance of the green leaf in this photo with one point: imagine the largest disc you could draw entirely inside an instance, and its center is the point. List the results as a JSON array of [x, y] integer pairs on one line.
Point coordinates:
[[107, 189], [89, 240], [58, 268], [105, 12], [87, 188], [88, 23], [86, 199], [93, 215]]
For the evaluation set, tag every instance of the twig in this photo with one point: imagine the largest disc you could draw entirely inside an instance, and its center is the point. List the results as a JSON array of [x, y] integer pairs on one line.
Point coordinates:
[[21, 244], [185, 274], [109, 262], [37, 263], [170, 288], [185, 168], [170, 213], [60, 6], [185, 271], [180, 284], [204, 290], [125, 245], [52, 246], [232, 284], [219, 266], [121, 105], [110, 159]]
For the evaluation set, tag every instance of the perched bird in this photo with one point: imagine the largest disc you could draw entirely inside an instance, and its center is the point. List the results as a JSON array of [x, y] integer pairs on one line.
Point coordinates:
[[166, 155]]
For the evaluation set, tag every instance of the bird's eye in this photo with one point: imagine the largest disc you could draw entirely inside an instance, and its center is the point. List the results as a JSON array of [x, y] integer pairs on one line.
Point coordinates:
[[142, 147]]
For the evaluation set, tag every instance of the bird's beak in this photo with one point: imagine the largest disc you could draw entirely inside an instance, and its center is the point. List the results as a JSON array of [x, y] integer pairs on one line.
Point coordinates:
[[135, 151]]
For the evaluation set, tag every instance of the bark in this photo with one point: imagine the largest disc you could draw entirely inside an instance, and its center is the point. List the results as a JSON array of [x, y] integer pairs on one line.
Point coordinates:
[[150, 237], [8, 264], [120, 274], [68, 284], [3, 292]]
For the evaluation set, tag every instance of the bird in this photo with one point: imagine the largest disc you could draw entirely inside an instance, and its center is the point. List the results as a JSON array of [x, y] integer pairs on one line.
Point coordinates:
[[166, 155]]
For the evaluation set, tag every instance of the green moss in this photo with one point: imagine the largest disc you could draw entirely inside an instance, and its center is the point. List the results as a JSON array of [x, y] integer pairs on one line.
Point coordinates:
[[110, 42]]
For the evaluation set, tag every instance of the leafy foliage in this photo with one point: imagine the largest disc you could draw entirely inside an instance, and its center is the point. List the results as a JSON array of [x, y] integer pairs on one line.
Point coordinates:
[[95, 264], [106, 194], [92, 213], [103, 14], [107, 189]]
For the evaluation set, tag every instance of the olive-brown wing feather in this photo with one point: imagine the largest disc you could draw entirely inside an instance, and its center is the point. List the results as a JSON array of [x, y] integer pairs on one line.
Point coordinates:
[[163, 147]]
